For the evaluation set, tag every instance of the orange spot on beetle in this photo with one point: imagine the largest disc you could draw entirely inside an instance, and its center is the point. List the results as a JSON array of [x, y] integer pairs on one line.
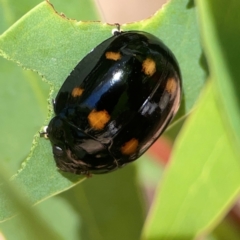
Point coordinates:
[[77, 92], [171, 85], [113, 55], [98, 119], [130, 147], [149, 67]]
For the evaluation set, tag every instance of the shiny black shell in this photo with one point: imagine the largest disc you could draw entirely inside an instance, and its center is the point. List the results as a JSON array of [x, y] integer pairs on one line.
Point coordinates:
[[114, 104]]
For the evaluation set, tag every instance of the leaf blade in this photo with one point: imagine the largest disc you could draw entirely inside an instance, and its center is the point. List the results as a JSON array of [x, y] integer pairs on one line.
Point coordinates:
[[203, 192]]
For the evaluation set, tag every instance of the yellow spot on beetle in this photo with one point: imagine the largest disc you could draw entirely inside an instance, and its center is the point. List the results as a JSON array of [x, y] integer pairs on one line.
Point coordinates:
[[113, 55], [77, 92], [149, 67], [171, 85], [98, 119], [129, 147]]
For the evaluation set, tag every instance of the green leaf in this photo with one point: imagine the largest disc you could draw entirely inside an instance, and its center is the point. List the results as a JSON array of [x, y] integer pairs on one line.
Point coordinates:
[[84, 10], [19, 88], [58, 215], [87, 210], [110, 205], [52, 45], [29, 219], [202, 180], [24, 100], [221, 41], [11, 11]]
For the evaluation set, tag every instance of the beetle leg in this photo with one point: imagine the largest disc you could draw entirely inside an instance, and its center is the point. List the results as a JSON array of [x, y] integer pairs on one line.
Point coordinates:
[[44, 132]]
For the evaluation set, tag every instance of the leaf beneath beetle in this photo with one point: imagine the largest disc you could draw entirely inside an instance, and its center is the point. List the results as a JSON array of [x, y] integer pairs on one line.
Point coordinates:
[[52, 45]]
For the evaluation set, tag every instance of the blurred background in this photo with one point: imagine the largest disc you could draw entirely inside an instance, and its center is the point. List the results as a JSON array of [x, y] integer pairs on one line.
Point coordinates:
[[125, 11]]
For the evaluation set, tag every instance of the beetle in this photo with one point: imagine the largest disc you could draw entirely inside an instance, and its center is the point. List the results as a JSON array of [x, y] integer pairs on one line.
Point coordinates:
[[114, 104]]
